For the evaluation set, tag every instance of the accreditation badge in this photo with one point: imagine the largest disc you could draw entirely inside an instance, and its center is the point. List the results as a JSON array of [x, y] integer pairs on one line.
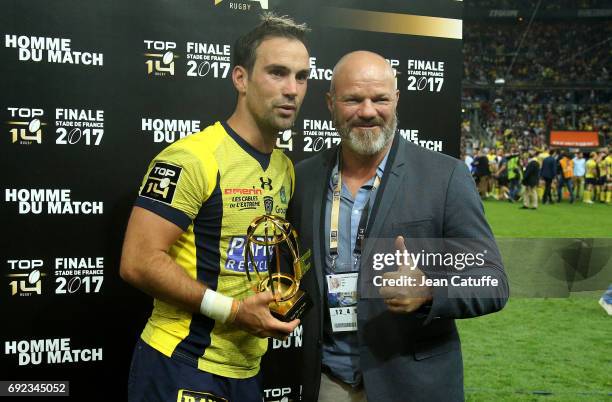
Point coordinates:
[[342, 301]]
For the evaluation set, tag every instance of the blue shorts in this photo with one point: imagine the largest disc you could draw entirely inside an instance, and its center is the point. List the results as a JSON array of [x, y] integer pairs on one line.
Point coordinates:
[[155, 377]]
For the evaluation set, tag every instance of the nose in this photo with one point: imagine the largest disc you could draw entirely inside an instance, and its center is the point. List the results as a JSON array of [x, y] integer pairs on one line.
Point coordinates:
[[290, 88], [367, 110]]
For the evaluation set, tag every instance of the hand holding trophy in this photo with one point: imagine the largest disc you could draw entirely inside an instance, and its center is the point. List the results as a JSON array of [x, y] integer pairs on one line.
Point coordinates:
[[271, 232]]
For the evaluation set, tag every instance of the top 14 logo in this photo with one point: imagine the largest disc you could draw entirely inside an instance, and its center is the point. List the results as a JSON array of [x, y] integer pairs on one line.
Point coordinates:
[[28, 279], [160, 57], [26, 125]]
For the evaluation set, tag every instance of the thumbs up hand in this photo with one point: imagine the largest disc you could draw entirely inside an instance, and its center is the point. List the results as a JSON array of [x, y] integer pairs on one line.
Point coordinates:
[[410, 297]]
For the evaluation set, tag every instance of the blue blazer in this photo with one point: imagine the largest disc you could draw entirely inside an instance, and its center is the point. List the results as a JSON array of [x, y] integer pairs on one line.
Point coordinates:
[[403, 357], [549, 168]]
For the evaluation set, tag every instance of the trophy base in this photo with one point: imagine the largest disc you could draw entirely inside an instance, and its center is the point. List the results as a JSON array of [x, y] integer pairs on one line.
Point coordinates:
[[293, 308]]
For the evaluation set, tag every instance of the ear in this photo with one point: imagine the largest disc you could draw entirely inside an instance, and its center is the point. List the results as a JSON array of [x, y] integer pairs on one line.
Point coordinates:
[[240, 78], [329, 99], [397, 92]]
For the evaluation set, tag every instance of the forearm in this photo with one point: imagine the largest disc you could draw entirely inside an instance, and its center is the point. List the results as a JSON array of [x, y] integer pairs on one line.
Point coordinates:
[[162, 278], [145, 262]]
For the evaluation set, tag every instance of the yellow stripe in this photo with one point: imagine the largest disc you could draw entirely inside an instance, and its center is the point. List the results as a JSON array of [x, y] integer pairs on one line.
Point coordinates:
[[405, 24]]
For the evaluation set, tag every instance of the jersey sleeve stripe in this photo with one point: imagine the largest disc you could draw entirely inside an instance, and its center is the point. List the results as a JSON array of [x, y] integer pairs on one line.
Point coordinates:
[[179, 218], [207, 231]]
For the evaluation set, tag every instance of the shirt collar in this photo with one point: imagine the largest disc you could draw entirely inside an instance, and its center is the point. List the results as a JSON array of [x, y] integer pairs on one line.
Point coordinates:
[[380, 169]]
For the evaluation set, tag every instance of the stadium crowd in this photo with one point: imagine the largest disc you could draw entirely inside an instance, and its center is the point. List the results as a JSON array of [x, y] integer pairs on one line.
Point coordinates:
[[554, 52], [546, 175], [524, 117], [523, 80]]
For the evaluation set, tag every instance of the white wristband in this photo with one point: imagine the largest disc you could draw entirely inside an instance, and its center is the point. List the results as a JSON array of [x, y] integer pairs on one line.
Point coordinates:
[[216, 306]]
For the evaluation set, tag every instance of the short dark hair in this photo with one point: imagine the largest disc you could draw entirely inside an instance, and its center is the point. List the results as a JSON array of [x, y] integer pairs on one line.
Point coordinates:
[[271, 25]]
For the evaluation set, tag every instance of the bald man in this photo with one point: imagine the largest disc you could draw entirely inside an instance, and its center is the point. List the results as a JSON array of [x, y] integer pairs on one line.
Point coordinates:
[[386, 343]]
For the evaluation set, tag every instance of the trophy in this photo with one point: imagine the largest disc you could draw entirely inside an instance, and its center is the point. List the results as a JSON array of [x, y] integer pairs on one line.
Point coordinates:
[[270, 232]]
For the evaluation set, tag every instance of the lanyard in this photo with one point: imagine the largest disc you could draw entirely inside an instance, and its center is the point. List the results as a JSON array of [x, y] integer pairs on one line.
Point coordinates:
[[335, 215]]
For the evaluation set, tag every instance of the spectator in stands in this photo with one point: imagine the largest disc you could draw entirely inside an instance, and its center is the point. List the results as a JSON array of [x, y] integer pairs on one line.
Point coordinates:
[[549, 54], [559, 79]]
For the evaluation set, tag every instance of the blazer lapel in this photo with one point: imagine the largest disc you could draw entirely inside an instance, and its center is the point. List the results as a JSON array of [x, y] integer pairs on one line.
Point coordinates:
[[393, 176], [319, 195]]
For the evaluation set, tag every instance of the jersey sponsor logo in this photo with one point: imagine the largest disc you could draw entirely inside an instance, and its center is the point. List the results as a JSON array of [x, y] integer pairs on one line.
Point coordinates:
[[242, 198], [235, 255], [266, 183], [268, 204], [282, 195], [161, 182], [185, 395], [243, 191]]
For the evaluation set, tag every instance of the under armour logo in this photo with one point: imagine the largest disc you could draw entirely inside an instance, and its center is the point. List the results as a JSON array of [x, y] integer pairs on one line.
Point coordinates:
[[266, 183]]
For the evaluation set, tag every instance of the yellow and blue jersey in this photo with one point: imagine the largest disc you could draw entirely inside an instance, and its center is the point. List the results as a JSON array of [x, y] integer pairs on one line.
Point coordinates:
[[212, 185], [591, 169]]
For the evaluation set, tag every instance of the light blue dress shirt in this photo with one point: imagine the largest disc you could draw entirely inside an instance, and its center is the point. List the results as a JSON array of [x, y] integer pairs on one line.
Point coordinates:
[[341, 352]]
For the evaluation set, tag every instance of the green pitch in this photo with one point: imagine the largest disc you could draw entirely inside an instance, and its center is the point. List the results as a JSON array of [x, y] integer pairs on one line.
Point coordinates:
[[557, 220], [555, 349]]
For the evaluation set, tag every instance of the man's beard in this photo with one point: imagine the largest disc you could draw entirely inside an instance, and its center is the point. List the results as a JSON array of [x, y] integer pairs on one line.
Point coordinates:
[[366, 142], [271, 123]]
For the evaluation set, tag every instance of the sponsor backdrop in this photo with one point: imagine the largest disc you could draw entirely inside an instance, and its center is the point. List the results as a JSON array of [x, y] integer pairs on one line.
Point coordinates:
[[91, 91]]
